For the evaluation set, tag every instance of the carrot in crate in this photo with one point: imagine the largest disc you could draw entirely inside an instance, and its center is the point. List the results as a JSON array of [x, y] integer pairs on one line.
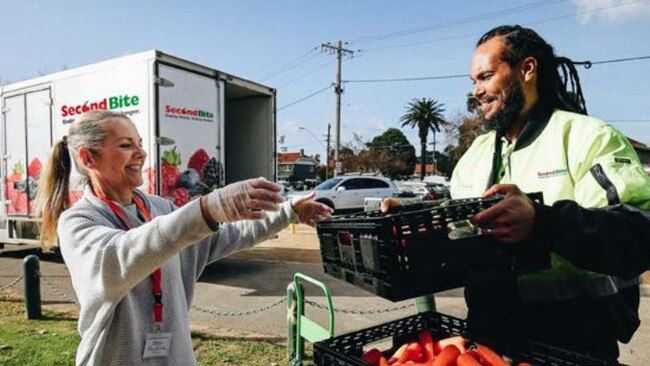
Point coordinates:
[[456, 341], [489, 357], [447, 356]]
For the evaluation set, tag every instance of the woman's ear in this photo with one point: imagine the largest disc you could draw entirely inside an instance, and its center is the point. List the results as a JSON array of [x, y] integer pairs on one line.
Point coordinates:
[[528, 69], [86, 157]]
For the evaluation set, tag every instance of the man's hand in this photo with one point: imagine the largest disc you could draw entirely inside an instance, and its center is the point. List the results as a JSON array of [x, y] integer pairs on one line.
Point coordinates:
[[387, 204], [308, 211], [509, 221]]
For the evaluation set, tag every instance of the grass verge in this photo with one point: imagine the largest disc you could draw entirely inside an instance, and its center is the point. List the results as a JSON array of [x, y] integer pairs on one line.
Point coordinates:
[[54, 339]]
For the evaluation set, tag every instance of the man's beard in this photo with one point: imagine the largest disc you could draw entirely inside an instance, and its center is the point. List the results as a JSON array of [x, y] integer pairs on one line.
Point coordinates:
[[505, 118]]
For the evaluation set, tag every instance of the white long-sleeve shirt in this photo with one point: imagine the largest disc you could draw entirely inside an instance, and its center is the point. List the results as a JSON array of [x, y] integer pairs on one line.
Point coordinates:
[[110, 269]]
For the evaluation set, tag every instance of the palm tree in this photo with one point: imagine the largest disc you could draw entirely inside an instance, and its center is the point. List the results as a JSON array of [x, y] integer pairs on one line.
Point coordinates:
[[425, 114]]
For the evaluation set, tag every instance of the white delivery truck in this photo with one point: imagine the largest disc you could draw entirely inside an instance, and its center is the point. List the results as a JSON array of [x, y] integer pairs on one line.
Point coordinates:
[[201, 128]]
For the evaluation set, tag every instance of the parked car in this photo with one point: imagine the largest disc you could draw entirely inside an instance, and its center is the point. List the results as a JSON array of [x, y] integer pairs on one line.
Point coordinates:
[[287, 189], [349, 192], [439, 179], [410, 187], [426, 190], [437, 191]]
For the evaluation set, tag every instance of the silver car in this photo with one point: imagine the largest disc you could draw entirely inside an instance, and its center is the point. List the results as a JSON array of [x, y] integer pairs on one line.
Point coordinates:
[[349, 192]]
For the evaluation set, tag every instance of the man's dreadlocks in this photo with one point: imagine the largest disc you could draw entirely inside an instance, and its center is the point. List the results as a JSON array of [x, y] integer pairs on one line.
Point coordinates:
[[558, 84]]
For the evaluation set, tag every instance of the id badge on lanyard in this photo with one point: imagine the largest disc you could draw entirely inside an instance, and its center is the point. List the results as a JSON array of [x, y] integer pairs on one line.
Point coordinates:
[[157, 343]]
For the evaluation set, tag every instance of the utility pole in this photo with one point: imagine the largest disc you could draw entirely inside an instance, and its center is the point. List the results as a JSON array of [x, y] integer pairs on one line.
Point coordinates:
[[338, 90], [433, 160], [327, 155]]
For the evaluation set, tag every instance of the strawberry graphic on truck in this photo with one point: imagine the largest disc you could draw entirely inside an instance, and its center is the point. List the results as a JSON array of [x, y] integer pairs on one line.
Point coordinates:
[[201, 176], [201, 129]]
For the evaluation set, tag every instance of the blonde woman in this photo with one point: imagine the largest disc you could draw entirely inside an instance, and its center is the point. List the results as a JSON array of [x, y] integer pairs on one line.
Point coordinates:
[[134, 258]]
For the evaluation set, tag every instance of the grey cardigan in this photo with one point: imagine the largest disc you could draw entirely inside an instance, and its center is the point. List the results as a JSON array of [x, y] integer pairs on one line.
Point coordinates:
[[110, 270]]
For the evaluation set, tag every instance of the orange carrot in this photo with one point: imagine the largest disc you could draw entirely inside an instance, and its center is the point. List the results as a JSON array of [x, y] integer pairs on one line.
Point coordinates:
[[467, 360], [372, 356], [457, 341], [427, 345], [398, 354], [489, 357], [447, 356]]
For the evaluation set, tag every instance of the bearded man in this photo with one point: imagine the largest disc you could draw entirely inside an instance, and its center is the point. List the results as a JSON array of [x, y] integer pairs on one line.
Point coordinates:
[[593, 231]]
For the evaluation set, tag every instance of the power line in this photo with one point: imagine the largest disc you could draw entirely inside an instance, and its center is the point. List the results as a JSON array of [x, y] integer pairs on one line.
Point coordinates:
[[407, 79], [420, 42], [306, 74], [621, 60], [587, 64], [456, 22], [305, 98], [626, 120], [455, 76], [402, 45], [301, 145], [291, 64]]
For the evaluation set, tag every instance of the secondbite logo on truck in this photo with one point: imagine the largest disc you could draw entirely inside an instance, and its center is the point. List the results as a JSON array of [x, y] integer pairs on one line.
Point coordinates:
[[114, 102], [189, 113]]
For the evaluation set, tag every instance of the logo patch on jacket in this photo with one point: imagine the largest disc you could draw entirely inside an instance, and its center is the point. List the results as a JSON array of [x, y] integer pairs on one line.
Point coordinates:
[[552, 173]]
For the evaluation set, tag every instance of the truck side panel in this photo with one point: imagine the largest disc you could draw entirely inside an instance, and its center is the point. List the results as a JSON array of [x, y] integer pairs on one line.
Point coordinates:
[[188, 123], [123, 88]]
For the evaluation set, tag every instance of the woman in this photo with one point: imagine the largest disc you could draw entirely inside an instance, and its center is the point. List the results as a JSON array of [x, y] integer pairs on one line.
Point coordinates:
[[134, 258]]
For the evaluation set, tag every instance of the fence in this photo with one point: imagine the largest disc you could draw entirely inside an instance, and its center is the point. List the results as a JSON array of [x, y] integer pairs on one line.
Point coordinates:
[[54, 294]]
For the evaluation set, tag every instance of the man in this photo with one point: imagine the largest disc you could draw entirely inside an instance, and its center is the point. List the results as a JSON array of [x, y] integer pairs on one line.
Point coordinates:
[[592, 231]]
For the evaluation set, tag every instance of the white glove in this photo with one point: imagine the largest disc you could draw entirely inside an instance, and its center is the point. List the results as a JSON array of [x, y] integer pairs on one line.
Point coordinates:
[[245, 200], [308, 211]]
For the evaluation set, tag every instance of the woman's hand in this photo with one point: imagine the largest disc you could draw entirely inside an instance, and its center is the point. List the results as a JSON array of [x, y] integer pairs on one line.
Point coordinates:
[[245, 200], [511, 220], [308, 211]]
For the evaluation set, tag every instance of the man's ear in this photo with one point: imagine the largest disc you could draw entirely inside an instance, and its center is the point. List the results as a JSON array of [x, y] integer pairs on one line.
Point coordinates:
[[86, 157], [528, 69]]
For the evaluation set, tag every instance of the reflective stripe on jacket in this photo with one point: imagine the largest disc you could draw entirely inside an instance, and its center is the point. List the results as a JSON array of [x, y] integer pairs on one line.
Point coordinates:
[[566, 156]]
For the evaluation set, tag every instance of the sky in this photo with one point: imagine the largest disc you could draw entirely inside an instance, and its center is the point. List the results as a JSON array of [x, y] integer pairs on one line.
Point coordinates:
[[278, 43]]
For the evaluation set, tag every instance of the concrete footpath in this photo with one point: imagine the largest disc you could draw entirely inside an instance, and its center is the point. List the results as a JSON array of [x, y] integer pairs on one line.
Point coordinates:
[[253, 282]]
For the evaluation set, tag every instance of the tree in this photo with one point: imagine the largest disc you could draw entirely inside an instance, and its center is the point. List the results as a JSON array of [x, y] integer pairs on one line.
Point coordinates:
[[444, 163], [347, 158], [394, 152], [320, 172], [425, 115], [463, 129]]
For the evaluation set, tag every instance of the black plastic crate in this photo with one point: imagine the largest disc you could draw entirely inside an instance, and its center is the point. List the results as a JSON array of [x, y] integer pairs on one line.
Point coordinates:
[[413, 252], [346, 350]]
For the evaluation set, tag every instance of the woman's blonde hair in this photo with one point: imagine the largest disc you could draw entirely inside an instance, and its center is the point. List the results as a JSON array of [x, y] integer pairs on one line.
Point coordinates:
[[54, 185]]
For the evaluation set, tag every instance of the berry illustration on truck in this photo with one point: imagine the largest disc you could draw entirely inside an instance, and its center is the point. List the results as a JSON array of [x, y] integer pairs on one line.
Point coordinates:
[[201, 129]]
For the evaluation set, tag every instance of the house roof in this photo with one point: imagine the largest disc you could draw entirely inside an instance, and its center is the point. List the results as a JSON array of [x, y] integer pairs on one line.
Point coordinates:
[[288, 157], [295, 158]]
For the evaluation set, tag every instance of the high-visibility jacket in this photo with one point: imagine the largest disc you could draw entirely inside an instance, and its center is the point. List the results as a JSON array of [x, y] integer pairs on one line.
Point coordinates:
[[566, 156]]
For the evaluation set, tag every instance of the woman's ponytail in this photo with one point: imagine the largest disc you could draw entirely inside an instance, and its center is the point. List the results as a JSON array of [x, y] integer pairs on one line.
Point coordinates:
[[54, 192]]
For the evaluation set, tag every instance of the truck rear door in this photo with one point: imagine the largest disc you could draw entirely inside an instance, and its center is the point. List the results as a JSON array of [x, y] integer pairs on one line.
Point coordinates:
[[27, 114]]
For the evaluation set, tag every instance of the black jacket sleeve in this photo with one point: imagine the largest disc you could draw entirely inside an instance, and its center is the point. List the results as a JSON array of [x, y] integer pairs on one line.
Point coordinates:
[[613, 240]]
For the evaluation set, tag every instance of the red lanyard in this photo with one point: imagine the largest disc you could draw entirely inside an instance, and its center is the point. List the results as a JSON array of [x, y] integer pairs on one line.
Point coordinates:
[[156, 276]]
